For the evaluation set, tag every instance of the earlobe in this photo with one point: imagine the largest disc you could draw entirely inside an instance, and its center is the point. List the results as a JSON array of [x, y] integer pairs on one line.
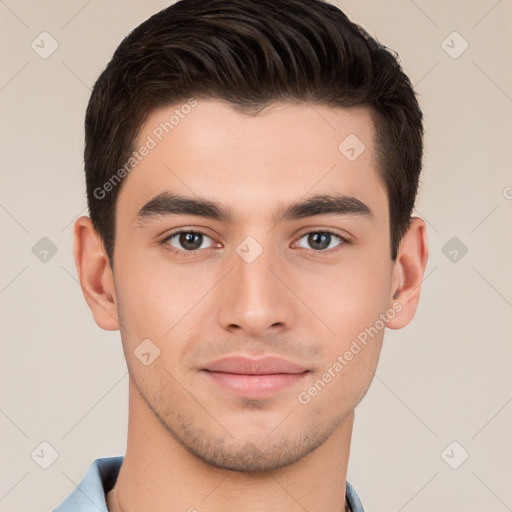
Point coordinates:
[[95, 275], [410, 266]]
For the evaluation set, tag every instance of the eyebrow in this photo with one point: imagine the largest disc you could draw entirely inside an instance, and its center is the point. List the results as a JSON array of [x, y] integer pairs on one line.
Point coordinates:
[[166, 204]]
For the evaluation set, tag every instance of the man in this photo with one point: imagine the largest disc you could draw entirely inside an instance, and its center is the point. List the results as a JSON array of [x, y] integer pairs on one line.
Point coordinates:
[[251, 171]]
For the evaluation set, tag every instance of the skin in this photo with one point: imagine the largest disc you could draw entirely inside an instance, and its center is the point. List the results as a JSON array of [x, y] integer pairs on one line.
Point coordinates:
[[192, 445]]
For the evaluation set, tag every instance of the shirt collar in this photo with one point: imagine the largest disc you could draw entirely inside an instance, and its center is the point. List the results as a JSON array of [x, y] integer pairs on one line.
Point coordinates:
[[90, 494]]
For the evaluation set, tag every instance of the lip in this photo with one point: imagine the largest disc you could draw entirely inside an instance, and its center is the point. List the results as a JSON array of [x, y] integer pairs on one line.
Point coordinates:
[[254, 378], [247, 366]]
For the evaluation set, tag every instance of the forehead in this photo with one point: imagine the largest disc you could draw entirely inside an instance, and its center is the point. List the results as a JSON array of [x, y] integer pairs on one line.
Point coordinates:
[[253, 163]]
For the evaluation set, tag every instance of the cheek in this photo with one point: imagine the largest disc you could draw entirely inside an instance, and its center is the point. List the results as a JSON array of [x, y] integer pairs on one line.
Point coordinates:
[[352, 306], [154, 295], [154, 304], [350, 296], [350, 301]]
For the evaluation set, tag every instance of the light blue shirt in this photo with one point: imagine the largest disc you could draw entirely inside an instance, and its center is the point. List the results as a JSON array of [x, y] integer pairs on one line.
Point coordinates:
[[89, 495]]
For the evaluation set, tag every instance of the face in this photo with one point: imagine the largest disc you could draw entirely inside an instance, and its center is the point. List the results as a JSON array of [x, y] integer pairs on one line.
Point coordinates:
[[247, 276]]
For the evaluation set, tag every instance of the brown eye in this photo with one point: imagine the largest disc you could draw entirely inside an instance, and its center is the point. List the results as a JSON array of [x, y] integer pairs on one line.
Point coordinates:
[[321, 240], [187, 240]]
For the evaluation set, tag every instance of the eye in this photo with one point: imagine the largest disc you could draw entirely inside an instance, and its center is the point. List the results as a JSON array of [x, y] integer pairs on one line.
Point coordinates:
[[187, 241], [319, 241]]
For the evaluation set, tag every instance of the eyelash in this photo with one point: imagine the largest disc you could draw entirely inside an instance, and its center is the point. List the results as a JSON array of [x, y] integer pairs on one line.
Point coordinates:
[[173, 250]]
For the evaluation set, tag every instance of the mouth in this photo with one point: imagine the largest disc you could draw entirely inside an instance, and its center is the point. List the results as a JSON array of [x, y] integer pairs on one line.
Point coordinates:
[[254, 378]]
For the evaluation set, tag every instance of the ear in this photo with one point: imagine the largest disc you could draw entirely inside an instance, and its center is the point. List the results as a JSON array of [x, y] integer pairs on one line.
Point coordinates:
[[95, 275], [408, 271]]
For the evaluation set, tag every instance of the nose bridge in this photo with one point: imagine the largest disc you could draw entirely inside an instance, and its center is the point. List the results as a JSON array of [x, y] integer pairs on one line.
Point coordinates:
[[254, 299]]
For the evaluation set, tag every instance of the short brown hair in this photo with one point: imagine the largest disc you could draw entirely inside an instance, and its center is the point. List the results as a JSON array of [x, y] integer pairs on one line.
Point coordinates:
[[251, 54]]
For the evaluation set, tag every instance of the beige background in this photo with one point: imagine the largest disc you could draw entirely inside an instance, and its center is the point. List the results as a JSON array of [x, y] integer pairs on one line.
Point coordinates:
[[444, 378]]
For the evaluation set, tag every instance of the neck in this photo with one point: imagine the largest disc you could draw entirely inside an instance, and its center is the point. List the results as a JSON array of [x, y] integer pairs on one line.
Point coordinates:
[[158, 473]]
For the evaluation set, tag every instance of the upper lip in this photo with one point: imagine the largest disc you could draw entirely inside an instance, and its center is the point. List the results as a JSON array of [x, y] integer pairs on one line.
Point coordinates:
[[247, 366]]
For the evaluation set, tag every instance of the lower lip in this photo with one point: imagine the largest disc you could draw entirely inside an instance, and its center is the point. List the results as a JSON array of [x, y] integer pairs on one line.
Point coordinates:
[[255, 386]]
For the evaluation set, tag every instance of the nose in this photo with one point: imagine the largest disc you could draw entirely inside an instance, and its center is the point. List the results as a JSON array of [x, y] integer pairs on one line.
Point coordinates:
[[255, 301]]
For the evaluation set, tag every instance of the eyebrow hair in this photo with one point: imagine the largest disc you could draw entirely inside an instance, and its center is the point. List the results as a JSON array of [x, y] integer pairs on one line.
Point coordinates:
[[166, 203]]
